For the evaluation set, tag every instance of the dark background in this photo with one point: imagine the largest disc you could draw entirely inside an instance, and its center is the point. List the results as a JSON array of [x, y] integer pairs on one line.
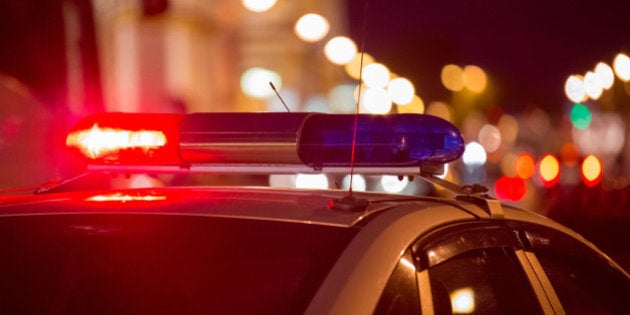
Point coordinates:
[[528, 48]]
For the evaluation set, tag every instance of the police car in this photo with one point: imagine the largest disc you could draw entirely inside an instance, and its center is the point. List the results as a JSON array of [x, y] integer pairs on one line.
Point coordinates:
[[85, 246]]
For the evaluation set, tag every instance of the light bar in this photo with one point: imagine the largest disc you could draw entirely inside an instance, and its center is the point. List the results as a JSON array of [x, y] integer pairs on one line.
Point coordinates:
[[293, 142], [381, 141], [123, 138]]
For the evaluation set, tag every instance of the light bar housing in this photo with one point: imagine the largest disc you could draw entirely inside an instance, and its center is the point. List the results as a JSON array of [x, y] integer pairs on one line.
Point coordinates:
[[266, 142]]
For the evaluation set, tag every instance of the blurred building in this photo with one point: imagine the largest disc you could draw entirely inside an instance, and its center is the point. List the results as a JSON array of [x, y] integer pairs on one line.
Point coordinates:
[[190, 55]]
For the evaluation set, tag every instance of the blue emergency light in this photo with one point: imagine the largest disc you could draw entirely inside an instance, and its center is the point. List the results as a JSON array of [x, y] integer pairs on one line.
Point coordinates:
[[266, 142]]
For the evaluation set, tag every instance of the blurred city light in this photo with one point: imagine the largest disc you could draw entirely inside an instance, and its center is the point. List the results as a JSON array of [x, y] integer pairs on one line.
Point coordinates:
[[259, 5], [592, 85], [475, 78], [415, 107], [510, 188], [439, 109], [393, 184], [358, 182], [474, 155], [591, 171], [580, 116], [605, 136], [311, 27], [574, 89], [311, 181], [621, 64], [342, 99], [255, 82], [490, 138], [525, 166], [376, 101], [508, 126], [401, 90], [549, 170], [376, 76], [340, 50], [605, 75], [353, 68], [569, 154], [452, 77]]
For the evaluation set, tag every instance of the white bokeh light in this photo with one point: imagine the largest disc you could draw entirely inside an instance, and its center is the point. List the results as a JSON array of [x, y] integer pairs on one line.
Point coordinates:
[[592, 85], [258, 5], [605, 75], [311, 181], [621, 64], [340, 50], [401, 91], [574, 89], [311, 27], [377, 101], [358, 182], [255, 82], [376, 76], [393, 184], [474, 154]]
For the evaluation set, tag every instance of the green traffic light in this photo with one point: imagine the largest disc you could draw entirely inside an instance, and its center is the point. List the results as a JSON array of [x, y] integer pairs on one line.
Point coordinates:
[[580, 116]]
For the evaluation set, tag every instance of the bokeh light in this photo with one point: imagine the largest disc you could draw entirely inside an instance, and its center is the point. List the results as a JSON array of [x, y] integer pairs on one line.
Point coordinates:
[[358, 182], [574, 89], [439, 109], [452, 77], [490, 138], [376, 75], [401, 91], [549, 170], [475, 78], [605, 75], [591, 171], [377, 101], [621, 64], [340, 50], [508, 126], [510, 188], [353, 68], [592, 85], [474, 155], [255, 82], [258, 5], [341, 98], [605, 136], [580, 116], [525, 166], [415, 107], [569, 154], [393, 184], [311, 181], [311, 27]]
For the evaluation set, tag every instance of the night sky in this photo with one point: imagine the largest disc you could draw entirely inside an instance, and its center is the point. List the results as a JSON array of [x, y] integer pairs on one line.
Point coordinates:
[[528, 48]]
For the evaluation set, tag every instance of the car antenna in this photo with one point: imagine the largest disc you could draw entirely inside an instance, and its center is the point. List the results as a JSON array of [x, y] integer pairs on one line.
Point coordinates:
[[349, 202], [280, 97]]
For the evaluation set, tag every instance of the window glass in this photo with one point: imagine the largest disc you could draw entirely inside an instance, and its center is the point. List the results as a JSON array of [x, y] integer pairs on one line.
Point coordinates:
[[585, 282], [401, 292], [482, 281]]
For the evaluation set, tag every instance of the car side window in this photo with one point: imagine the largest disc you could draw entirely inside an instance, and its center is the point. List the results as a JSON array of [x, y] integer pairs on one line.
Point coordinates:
[[400, 295], [585, 282], [473, 268], [484, 281]]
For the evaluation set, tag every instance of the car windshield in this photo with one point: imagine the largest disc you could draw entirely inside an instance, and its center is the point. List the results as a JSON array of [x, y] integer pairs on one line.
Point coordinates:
[[158, 264]]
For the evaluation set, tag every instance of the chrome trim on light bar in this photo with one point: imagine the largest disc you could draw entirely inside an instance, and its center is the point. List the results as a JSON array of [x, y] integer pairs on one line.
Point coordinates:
[[253, 169]]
